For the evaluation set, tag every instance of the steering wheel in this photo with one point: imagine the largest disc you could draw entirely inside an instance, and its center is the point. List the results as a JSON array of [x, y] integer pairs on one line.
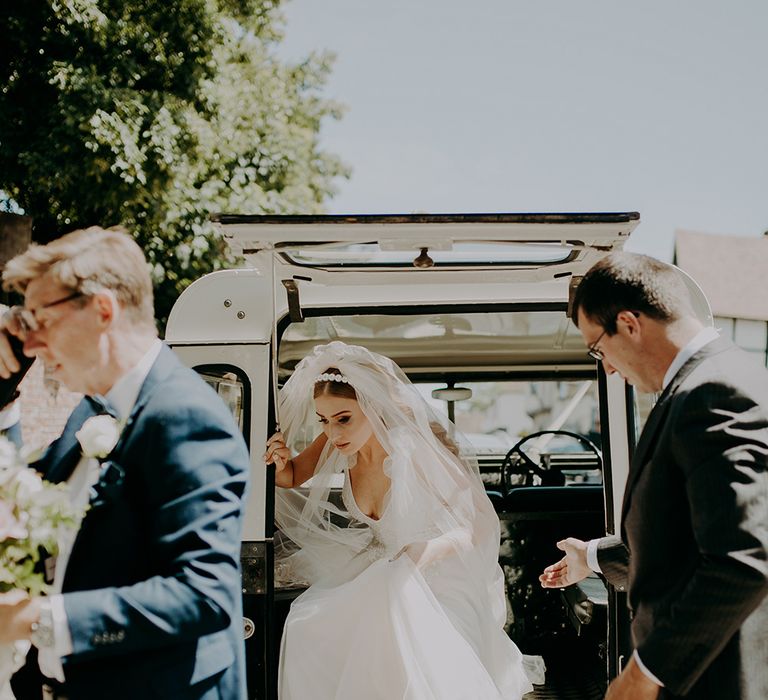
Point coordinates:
[[516, 461]]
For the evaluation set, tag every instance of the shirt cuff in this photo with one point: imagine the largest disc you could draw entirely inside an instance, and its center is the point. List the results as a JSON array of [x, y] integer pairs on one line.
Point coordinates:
[[10, 415], [62, 639], [645, 671], [592, 562], [49, 658]]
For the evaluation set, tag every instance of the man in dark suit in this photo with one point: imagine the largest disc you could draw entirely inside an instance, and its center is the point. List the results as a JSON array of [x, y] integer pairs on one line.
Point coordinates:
[[146, 599], [693, 550]]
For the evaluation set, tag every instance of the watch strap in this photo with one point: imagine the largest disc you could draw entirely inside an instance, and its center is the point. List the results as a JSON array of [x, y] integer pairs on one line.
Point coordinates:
[[42, 630]]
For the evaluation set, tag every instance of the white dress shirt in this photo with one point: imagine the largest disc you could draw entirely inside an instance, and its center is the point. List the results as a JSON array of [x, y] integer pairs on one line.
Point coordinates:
[[121, 397], [702, 338], [10, 415]]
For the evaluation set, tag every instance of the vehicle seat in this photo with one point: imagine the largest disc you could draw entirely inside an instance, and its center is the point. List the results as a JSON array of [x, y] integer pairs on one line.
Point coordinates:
[[586, 603], [533, 519]]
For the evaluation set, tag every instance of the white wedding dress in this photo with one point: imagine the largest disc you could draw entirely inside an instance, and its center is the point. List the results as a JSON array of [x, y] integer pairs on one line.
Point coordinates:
[[394, 632]]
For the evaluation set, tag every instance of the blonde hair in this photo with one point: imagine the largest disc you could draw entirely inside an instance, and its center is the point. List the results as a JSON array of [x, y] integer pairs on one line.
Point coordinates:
[[89, 261]]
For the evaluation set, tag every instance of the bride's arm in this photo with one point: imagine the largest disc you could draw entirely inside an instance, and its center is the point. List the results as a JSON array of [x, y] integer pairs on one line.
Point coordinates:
[[466, 508], [428, 552], [293, 471]]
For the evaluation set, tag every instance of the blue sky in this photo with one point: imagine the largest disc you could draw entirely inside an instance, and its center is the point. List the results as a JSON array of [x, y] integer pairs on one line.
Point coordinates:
[[549, 105]]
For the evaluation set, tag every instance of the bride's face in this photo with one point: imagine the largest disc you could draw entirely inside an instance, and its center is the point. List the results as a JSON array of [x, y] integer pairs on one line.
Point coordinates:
[[344, 423]]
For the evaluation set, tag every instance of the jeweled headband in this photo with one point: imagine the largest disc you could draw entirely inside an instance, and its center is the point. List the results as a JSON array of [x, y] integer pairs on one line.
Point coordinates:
[[328, 377]]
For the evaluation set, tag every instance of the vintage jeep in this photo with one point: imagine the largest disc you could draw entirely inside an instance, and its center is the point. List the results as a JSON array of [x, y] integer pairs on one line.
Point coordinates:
[[475, 309]]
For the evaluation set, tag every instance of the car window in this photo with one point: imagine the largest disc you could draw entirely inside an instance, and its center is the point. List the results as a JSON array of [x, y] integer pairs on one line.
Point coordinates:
[[230, 387], [500, 413]]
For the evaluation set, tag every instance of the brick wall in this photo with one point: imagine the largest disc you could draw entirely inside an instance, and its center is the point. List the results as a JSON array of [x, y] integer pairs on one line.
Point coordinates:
[[45, 407]]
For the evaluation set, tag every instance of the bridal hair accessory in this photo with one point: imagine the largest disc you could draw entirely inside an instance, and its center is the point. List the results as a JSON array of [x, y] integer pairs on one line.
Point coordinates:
[[327, 377]]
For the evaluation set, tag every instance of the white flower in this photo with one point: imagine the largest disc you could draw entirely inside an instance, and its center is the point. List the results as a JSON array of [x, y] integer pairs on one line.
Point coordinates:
[[33, 513], [98, 436], [32, 453], [29, 483], [10, 527]]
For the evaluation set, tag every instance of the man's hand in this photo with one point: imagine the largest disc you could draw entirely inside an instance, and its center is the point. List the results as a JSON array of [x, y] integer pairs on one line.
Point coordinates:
[[571, 569], [632, 684], [8, 326], [17, 613]]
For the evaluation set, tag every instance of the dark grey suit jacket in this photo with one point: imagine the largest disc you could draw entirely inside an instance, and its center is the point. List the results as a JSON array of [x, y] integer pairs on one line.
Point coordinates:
[[693, 551]]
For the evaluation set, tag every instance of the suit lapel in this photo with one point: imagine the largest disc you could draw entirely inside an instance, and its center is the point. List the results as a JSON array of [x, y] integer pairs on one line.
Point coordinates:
[[655, 420], [64, 454], [165, 363], [652, 425]]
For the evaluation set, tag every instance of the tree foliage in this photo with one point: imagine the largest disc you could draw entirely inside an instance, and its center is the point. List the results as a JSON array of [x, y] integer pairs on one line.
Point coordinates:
[[155, 114]]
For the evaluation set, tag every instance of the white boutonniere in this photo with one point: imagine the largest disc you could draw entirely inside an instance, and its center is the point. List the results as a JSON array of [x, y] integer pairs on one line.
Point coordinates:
[[98, 436]]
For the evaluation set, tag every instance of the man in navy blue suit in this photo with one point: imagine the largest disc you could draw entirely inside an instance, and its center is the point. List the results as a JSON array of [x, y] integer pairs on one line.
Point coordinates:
[[145, 600]]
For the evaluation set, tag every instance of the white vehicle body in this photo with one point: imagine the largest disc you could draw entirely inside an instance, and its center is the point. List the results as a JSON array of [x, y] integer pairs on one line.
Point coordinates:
[[472, 313]]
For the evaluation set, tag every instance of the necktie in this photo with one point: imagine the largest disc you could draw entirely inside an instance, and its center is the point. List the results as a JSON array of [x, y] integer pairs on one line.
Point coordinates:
[[100, 405]]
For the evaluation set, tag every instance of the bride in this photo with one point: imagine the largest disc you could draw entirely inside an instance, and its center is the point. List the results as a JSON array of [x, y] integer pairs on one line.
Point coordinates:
[[406, 598]]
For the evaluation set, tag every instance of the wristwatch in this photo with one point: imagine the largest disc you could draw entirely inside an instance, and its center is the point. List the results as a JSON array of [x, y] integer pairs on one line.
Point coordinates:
[[42, 630]]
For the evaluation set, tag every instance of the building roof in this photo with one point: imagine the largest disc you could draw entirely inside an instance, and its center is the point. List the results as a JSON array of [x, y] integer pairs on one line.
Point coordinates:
[[732, 271]]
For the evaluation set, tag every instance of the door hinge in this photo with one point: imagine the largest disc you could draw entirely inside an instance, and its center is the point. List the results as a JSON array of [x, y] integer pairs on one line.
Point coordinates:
[[294, 303]]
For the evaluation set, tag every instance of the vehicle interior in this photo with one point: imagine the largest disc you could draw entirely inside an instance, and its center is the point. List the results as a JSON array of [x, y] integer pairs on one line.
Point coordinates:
[[524, 395]]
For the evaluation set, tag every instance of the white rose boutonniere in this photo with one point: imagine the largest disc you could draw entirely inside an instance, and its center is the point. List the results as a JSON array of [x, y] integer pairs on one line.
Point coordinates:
[[98, 436]]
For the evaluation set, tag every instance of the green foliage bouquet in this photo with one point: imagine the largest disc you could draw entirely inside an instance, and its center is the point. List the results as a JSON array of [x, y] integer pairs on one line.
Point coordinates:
[[33, 515]]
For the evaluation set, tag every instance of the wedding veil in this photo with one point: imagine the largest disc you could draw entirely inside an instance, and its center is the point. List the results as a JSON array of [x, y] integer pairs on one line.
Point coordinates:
[[435, 490]]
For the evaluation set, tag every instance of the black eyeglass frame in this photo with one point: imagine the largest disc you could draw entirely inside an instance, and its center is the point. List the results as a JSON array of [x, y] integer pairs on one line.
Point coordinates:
[[27, 318], [592, 350]]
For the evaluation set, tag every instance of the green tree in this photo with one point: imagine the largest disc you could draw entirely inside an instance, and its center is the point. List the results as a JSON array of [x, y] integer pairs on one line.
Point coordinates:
[[155, 114]]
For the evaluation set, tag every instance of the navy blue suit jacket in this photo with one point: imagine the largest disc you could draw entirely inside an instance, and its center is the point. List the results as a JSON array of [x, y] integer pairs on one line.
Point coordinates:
[[152, 589]]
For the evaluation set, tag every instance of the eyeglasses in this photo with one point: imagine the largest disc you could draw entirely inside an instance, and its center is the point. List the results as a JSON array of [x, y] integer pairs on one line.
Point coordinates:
[[592, 350], [27, 318]]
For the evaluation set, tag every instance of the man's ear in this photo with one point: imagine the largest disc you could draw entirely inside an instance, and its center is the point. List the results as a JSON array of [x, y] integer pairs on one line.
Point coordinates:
[[630, 320], [106, 306]]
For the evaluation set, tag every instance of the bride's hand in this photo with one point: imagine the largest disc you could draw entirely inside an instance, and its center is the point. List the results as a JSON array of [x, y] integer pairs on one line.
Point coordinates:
[[421, 553], [277, 452]]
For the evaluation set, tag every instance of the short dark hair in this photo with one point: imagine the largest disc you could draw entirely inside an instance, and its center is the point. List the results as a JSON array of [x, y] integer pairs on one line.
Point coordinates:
[[624, 281]]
